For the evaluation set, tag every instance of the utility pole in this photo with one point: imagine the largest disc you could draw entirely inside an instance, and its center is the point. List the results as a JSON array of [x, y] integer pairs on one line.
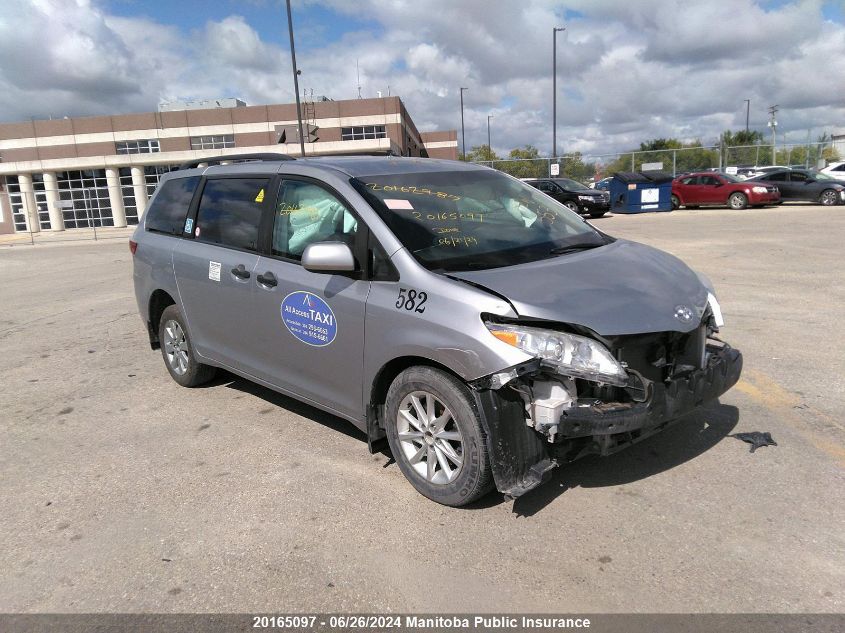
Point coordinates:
[[747, 112], [489, 147], [295, 81], [773, 124], [555, 29], [463, 138]]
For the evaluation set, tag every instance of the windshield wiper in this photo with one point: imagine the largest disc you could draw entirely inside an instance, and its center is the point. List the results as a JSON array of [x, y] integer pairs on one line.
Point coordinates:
[[571, 248]]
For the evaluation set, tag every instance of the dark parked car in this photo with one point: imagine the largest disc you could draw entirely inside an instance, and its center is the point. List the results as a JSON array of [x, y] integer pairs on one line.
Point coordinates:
[[574, 195], [805, 184], [706, 188], [603, 184]]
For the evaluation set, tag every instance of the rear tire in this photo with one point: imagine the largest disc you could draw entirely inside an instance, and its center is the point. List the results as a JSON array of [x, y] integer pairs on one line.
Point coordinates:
[[737, 201], [436, 437], [829, 197], [177, 351], [676, 202]]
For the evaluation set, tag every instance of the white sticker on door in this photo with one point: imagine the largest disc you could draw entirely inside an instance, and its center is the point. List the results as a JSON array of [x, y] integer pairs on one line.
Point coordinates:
[[214, 271]]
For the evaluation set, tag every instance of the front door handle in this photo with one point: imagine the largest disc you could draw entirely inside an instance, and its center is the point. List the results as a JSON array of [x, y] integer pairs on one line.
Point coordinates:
[[240, 272], [267, 279]]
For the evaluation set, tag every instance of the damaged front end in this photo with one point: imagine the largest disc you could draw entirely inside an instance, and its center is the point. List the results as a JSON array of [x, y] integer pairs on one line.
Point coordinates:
[[569, 402]]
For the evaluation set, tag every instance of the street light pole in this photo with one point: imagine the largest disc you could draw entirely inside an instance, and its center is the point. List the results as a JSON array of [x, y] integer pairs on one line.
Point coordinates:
[[295, 81], [773, 124], [489, 146], [463, 138], [747, 111], [555, 29]]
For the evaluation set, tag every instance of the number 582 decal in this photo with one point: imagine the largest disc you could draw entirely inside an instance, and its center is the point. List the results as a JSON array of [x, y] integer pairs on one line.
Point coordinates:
[[411, 300]]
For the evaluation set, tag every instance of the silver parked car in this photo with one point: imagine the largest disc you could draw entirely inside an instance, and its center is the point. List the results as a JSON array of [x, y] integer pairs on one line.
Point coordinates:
[[485, 330]]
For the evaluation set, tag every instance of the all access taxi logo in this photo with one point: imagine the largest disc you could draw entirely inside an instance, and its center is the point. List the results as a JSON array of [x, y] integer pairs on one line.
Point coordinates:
[[309, 319]]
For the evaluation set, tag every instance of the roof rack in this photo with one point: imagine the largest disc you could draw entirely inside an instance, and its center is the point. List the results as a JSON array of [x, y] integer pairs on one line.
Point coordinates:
[[216, 160]]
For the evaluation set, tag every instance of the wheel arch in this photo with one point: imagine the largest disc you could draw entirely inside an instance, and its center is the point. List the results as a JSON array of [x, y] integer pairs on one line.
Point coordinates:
[[159, 301], [382, 380]]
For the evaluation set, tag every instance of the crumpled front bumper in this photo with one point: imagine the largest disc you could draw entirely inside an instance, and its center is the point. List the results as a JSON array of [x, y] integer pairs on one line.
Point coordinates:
[[522, 458], [627, 422]]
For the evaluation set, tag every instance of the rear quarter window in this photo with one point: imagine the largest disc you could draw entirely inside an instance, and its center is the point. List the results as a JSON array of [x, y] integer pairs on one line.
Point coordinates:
[[169, 208]]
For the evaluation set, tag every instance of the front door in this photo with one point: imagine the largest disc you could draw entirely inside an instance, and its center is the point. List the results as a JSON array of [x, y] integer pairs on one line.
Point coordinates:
[[215, 269], [311, 325]]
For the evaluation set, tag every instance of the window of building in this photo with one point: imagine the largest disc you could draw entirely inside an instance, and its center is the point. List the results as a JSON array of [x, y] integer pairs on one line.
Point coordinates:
[[144, 146], [84, 197], [230, 211], [127, 192], [362, 132], [216, 141], [153, 174], [307, 213], [168, 210]]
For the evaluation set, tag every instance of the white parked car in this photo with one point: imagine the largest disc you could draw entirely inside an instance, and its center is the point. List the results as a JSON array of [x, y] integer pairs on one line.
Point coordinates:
[[837, 170]]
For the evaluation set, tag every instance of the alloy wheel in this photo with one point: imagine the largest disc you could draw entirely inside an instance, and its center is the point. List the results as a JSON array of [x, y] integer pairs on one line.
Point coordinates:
[[429, 437], [175, 347]]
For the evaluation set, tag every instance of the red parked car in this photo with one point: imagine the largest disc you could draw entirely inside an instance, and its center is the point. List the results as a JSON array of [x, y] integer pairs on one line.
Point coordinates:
[[710, 188]]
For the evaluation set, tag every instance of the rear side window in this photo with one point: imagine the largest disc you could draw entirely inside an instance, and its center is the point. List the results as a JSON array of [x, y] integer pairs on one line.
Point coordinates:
[[167, 212], [230, 211]]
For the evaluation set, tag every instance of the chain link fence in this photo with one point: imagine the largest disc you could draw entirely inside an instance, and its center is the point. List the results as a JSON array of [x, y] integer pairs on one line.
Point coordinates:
[[589, 167]]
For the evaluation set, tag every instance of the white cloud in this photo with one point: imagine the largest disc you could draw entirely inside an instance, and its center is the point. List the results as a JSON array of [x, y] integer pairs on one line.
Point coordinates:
[[628, 71]]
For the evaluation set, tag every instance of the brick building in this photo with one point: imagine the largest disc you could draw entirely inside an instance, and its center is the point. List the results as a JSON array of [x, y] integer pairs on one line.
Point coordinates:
[[100, 171]]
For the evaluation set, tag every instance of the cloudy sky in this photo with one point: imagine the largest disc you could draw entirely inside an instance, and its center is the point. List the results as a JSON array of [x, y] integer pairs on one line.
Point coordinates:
[[627, 70]]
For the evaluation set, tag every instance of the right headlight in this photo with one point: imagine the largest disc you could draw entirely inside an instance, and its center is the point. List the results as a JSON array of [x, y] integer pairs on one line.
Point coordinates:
[[758, 189], [572, 355]]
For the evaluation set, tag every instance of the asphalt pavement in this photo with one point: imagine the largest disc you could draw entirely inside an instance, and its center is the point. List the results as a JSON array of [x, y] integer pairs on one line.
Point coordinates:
[[123, 492]]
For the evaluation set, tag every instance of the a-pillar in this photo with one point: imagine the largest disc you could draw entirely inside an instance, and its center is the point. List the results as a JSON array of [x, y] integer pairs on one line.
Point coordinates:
[[51, 189], [139, 187], [118, 213], [30, 209]]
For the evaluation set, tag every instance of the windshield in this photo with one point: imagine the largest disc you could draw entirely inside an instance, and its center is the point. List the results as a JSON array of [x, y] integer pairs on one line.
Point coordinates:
[[470, 220], [572, 185], [732, 178], [819, 175]]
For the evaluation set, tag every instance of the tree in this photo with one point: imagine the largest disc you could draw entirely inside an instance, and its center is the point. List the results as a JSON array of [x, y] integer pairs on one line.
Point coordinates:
[[480, 153], [525, 163]]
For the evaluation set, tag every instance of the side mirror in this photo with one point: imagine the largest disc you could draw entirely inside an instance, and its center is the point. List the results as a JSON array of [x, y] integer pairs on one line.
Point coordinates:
[[809, 180], [328, 257]]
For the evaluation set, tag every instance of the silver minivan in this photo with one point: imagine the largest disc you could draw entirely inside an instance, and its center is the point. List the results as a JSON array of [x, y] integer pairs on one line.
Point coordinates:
[[486, 331]]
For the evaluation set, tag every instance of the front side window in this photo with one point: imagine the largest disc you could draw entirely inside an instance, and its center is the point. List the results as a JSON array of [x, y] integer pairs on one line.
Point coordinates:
[[778, 176], [307, 213], [169, 207], [463, 220], [229, 212]]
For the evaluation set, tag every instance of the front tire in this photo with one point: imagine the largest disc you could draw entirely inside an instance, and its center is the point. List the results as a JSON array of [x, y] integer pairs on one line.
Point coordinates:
[[177, 351], [436, 437], [737, 201], [828, 198], [572, 206], [598, 214]]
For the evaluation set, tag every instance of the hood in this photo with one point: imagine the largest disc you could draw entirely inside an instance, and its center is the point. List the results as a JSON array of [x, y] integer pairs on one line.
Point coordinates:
[[621, 288]]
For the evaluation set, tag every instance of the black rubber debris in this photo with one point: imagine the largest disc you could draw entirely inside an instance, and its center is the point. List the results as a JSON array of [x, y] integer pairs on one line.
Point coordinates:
[[756, 439]]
